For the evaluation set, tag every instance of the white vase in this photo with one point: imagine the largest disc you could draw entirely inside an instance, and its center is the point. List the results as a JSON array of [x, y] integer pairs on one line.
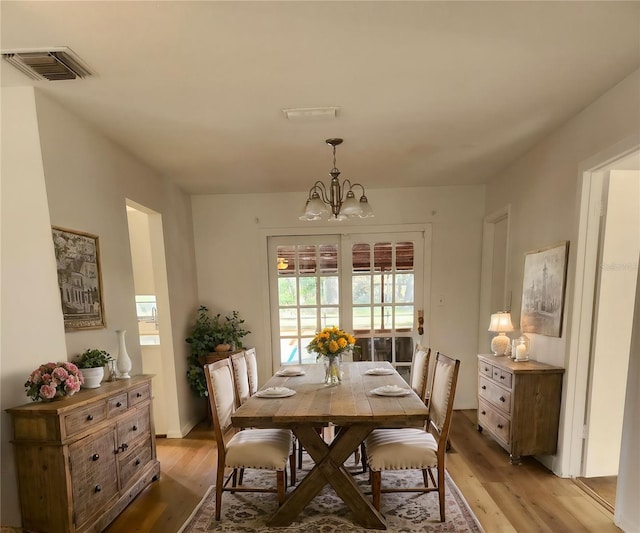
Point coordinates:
[[123, 363], [92, 377]]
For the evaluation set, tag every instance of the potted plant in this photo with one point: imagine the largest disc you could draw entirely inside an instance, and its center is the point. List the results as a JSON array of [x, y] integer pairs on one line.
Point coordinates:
[[92, 363], [206, 335]]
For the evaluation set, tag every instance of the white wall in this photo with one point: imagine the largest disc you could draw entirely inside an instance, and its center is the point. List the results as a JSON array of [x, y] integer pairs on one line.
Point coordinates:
[[85, 183], [232, 270], [141, 251], [543, 189]]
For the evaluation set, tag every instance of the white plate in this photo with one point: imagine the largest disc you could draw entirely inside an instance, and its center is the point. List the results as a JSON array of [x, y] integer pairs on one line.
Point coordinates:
[[391, 390], [287, 372], [380, 371], [275, 392]]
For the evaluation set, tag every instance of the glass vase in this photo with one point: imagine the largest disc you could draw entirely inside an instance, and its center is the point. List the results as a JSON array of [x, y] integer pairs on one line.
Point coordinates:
[[332, 370]]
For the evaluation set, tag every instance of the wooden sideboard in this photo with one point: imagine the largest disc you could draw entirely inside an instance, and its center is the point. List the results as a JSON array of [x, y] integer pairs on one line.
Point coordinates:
[[519, 404], [82, 459]]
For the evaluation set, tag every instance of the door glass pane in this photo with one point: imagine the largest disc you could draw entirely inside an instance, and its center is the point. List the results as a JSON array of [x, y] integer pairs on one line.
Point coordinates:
[[328, 258], [382, 256], [404, 318], [308, 320], [361, 257], [288, 351], [286, 263], [364, 353], [307, 259], [404, 288], [404, 350], [382, 347], [305, 356], [361, 289], [329, 316], [308, 292], [288, 321], [287, 292], [404, 256], [362, 318], [329, 292]]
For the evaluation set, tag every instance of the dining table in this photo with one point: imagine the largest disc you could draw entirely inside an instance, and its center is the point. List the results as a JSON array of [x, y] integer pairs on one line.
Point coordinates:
[[358, 405]]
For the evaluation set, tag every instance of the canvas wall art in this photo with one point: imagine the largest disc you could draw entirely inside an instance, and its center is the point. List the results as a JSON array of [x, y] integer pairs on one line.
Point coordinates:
[[543, 287], [79, 278]]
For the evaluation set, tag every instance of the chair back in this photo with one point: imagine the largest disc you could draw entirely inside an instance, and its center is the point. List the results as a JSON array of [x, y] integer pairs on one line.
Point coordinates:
[[221, 397], [420, 370], [443, 390], [240, 377], [252, 370]]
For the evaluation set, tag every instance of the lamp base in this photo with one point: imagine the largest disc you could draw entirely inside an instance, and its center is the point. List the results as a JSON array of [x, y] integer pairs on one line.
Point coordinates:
[[499, 344]]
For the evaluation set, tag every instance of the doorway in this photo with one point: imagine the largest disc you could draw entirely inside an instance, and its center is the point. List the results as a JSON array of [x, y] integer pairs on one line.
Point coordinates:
[[611, 261]]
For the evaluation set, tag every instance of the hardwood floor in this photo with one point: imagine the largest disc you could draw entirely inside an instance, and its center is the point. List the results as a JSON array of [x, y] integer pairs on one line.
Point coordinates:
[[526, 498]]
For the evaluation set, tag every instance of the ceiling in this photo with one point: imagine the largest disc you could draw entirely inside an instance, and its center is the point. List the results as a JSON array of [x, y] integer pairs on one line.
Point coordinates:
[[429, 93]]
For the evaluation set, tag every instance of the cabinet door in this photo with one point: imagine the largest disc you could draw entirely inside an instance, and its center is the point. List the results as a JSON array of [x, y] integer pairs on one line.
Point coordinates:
[[93, 473]]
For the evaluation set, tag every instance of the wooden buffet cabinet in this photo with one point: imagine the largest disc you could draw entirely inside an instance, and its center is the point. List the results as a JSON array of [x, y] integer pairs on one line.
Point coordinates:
[[519, 404], [81, 460]]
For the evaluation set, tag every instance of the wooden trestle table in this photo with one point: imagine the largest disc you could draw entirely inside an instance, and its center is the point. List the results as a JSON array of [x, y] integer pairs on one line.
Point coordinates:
[[350, 405]]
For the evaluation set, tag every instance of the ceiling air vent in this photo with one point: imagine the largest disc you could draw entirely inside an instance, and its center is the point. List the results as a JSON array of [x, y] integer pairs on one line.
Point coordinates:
[[53, 65]]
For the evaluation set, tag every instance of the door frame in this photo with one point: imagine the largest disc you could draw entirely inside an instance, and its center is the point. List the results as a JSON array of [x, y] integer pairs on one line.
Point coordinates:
[[325, 230]]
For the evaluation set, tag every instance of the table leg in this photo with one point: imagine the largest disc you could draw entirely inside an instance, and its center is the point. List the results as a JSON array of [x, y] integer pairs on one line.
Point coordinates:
[[329, 468]]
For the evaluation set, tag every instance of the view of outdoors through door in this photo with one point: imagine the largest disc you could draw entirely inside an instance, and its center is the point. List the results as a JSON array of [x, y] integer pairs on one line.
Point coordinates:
[[365, 284]]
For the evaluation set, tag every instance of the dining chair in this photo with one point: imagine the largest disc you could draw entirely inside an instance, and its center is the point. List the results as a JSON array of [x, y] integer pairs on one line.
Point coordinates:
[[267, 449], [419, 371], [240, 377], [418, 449], [252, 369]]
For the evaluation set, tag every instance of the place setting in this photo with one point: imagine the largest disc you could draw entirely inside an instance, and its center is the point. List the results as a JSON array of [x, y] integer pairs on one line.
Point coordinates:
[[290, 371], [380, 371], [391, 390], [275, 392]]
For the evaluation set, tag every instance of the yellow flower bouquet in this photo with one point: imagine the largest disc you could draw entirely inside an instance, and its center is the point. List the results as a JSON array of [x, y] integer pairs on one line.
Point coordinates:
[[329, 344]]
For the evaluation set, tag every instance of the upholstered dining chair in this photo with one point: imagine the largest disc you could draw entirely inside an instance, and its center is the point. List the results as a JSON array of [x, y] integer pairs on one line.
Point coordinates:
[[267, 449], [240, 377], [420, 371], [418, 449], [252, 369]]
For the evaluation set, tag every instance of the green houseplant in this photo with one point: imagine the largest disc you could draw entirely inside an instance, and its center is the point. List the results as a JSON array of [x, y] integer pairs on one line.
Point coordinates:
[[207, 333], [91, 363]]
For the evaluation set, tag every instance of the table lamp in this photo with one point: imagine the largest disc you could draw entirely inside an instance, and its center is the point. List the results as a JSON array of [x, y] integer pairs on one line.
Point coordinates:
[[501, 324]]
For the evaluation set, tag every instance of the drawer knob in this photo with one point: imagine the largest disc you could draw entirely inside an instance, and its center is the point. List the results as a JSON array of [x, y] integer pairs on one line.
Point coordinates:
[[89, 417], [95, 457], [135, 428], [499, 426], [98, 488], [119, 404], [122, 448], [137, 462], [139, 395], [486, 369], [484, 412], [502, 399], [501, 377], [484, 387]]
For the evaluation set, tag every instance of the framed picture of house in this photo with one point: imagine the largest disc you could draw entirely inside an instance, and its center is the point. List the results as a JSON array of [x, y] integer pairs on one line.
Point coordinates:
[[543, 286], [79, 278]]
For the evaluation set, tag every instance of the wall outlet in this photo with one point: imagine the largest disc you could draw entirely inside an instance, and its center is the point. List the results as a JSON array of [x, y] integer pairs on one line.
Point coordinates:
[[440, 300]]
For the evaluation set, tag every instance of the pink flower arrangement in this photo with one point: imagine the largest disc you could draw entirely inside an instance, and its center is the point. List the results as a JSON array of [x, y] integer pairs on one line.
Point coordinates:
[[54, 380]]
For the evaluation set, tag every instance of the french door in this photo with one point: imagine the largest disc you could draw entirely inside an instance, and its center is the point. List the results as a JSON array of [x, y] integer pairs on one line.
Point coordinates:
[[368, 284]]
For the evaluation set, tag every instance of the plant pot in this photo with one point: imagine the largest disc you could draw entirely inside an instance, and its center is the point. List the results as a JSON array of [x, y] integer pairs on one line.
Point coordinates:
[[92, 377], [223, 348]]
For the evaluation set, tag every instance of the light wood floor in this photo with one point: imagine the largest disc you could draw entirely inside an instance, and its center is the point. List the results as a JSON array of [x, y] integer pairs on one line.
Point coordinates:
[[526, 498]]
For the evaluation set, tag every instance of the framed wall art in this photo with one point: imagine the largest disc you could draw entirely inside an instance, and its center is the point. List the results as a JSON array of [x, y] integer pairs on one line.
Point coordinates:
[[543, 286], [79, 278]]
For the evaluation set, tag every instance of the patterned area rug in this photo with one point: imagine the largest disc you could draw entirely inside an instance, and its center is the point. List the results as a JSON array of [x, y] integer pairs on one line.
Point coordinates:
[[405, 512]]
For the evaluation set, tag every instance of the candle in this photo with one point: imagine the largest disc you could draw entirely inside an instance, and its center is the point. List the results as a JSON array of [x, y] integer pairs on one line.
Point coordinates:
[[521, 351]]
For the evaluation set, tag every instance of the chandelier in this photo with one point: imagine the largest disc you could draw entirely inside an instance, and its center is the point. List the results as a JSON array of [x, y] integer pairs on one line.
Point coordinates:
[[338, 199]]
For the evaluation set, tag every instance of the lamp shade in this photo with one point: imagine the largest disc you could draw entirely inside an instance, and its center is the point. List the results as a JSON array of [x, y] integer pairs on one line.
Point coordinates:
[[500, 323]]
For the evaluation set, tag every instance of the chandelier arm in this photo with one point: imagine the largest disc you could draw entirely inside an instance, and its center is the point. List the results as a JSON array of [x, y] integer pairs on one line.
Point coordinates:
[[320, 187]]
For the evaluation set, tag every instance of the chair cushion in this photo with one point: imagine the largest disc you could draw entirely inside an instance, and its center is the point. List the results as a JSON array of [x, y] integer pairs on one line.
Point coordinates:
[[259, 448], [401, 449]]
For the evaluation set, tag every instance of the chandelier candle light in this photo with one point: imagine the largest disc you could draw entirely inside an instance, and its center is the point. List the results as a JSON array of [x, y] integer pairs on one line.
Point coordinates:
[[500, 324], [342, 205]]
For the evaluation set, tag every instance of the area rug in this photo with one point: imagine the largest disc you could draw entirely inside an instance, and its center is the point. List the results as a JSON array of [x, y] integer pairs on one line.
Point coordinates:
[[327, 513]]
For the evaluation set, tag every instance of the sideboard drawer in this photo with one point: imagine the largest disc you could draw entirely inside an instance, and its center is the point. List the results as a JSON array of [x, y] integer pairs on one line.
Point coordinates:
[[139, 395], [85, 418], [133, 428], [494, 394], [494, 422], [502, 376], [118, 404], [486, 369]]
